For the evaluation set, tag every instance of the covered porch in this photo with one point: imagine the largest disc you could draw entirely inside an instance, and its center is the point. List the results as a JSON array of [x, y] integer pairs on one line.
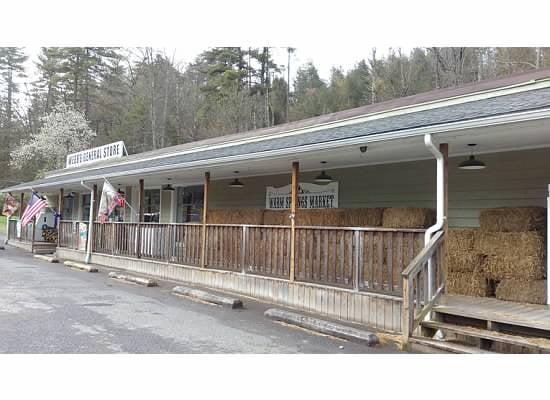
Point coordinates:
[[374, 254]]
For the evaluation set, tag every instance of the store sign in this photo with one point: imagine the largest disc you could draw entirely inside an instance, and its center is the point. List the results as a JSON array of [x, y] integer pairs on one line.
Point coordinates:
[[101, 153], [310, 195]]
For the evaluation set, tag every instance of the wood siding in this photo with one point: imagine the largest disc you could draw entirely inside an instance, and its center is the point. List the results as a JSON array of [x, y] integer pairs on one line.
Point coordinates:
[[511, 179]]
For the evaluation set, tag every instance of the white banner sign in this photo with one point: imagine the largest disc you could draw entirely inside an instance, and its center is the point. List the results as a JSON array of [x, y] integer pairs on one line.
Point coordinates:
[[105, 152], [82, 236], [310, 195]]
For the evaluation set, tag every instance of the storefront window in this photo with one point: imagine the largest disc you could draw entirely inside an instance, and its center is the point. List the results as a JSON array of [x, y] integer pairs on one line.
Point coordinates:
[[152, 205], [190, 203], [68, 208], [86, 207]]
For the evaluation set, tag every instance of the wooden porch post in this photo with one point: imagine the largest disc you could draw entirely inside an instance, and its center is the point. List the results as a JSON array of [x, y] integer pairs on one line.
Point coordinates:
[[33, 232], [141, 207], [444, 150], [293, 209], [61, 207], [204, 218], [93, 208], [22, 198], [61, 203]]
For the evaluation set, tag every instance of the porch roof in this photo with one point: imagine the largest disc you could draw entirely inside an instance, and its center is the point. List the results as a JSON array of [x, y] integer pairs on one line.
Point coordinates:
[[521, 95]]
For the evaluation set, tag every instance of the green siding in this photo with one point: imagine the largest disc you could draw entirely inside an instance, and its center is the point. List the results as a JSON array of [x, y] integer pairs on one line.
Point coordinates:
[[511, 179]]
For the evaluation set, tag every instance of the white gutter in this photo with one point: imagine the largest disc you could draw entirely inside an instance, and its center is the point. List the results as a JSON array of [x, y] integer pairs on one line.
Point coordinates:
[[440, 196], [90, 223]]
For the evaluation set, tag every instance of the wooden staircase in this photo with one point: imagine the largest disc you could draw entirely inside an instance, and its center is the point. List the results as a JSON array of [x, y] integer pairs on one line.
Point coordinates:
[[470, 325]]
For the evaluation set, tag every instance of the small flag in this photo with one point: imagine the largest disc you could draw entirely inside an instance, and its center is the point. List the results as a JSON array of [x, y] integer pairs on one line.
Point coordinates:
[[35, 206], [110, 198], [10, 206]]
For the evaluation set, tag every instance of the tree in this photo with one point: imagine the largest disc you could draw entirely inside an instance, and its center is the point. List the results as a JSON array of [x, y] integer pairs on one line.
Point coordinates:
[[11, 67], [309, 93], [64, 130]]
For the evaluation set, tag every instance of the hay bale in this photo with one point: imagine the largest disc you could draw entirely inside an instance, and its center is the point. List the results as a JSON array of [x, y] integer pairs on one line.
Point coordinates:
[[523, 291], [310, 217], [460, 240], [276, 217], [408, 217], [362, 217], [466, 262], [467, 284], [518, 219], [461, 255], [252, 216], [332, 216], [512, 254]]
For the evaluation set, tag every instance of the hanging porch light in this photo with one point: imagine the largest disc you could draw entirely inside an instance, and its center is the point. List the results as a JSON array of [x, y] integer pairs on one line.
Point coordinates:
[[236, 183], [472, 163], [323, 177]]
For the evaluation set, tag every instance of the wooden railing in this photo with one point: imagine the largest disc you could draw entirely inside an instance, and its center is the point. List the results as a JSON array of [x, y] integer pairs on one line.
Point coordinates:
[[363, 259], [177, 243], [369, 259], [26, 231], [68, 234], [423, 283], [253, 249]]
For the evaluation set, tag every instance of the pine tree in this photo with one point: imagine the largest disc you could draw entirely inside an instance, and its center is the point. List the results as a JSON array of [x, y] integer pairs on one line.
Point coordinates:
[[12, 61]]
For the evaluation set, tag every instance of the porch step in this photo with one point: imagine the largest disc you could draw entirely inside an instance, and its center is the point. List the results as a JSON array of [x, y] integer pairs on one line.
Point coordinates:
[[530, 316], [444, 346], [539, 344]]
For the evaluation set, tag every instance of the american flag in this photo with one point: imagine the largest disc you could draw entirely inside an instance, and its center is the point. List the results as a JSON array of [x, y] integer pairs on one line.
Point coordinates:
[[34, 207]]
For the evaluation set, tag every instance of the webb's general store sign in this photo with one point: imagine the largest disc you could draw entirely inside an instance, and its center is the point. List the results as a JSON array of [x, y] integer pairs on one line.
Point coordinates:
[[105, 152], [310, 195]]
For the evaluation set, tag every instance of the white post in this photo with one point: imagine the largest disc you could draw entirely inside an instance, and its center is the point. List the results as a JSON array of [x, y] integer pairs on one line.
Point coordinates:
[[90, 223], [548, 247]]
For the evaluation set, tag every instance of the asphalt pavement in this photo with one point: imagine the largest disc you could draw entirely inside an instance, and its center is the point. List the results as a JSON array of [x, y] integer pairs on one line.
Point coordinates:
[[49, 308]]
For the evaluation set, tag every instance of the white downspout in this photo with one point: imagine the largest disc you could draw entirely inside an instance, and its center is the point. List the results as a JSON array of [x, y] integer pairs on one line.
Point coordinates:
[[440, 193], [90, 223]]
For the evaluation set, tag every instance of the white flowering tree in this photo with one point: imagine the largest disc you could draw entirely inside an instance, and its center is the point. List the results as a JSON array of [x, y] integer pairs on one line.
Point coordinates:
[[64, 130]]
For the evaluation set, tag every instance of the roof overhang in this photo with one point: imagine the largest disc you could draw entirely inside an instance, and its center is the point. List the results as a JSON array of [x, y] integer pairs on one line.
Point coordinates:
[[344, 136]]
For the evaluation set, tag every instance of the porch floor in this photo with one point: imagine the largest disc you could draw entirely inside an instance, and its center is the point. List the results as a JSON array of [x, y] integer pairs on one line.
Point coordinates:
[[489, 309]]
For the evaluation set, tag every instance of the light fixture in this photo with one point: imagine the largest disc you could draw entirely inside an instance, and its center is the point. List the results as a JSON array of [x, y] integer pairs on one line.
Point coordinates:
[[471, 162], [168, 188], [235, 182], [120, 191], [323, 177], [70, 195]]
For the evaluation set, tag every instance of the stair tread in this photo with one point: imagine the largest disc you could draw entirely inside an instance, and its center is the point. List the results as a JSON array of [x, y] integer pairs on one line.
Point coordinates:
[[450, 347], [531, 342]]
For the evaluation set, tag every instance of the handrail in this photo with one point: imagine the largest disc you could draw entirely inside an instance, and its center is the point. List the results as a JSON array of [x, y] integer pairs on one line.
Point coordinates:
[[424, 255], [419, 293]]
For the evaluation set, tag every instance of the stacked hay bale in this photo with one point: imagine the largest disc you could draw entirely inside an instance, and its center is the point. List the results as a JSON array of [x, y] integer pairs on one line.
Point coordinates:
[[276, 217], [408, 217], [344, 217], [513, 241], [362, 217], [465, 265], [252, 216]]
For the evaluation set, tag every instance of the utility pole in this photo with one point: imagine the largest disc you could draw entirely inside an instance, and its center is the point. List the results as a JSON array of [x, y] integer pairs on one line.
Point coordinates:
[[290, 50]]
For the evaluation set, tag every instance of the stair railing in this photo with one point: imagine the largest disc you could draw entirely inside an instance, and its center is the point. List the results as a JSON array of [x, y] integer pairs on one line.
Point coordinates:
[[419, 292]]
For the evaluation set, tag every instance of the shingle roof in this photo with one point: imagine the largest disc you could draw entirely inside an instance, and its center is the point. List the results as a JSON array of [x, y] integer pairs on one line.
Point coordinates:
[[506, 104], [408, 101]]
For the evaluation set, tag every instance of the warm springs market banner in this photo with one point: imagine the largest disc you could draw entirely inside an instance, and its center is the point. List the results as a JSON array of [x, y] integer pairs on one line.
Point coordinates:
[[310, 195]]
